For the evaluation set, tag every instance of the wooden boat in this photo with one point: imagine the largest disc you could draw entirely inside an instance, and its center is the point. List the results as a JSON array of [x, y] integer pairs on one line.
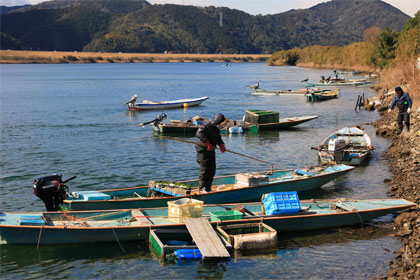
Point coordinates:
[[225, 189], [349, 145], [184, 128], [321, 96], [283, 123], [152, 105], [39, 228], [286, 92], [232, 127], [339, 83], [350, 73]]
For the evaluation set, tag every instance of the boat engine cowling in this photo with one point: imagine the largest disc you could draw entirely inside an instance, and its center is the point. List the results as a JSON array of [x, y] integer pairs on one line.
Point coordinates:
[[51, 190]]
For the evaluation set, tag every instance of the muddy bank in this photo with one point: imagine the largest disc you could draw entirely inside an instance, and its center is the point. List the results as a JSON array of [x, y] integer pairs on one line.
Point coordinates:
[[403, 158]]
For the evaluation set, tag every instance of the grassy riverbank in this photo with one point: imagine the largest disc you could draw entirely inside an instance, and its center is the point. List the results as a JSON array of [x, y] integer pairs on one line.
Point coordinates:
[[351, 57], [28, 57]]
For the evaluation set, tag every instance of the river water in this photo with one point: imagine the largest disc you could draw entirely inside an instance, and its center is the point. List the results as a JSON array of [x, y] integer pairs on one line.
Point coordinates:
[[71, 119]]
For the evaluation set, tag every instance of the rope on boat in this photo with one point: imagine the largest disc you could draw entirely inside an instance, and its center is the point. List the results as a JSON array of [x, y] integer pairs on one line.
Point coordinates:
[[361, 221], [39, 237], [118, 241], [96, 216]]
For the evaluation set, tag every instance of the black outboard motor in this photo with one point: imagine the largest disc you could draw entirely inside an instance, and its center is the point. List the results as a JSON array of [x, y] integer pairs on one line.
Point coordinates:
[[51, 190]]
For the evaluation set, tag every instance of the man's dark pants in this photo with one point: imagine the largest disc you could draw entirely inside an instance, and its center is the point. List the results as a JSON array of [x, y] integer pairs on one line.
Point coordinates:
[[403, 116], [207, 162]]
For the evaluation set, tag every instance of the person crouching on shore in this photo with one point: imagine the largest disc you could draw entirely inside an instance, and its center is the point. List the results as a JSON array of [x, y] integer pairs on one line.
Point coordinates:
[[403, 102]]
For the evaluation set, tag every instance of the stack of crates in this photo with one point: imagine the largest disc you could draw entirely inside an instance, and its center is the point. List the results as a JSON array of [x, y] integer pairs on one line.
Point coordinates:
[[281, 203]]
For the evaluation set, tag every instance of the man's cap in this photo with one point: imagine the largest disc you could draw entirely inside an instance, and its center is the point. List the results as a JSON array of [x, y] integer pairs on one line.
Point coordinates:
[[397, 89], [219, 118]]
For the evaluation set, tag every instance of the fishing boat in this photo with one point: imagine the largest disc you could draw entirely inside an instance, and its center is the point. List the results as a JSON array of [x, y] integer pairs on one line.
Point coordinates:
[[339, 83], [40, 228], [232, 127], [190, 127], [156, 105], [350, 73], [265, 120], [349, 145], [259, 91], [226, 189], [301, 92], [184, 128], [321, 96]]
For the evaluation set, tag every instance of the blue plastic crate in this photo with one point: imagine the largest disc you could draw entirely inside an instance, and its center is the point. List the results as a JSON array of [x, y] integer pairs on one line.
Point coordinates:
[[188, 254], [31, 220], [93, 195], [281, 203]]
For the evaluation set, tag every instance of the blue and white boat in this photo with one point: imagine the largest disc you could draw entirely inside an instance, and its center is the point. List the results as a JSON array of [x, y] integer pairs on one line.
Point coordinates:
[[157, 105], [349, 145]]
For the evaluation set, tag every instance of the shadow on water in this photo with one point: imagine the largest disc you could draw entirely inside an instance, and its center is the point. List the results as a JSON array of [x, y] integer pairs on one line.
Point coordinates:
[[21, 255]]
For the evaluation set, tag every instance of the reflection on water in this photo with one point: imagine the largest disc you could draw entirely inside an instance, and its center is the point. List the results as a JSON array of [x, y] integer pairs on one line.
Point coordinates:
[[71, 119], [297, 256]]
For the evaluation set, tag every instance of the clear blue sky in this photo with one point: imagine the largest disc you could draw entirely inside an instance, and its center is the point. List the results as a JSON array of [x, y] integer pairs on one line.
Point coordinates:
[[254, 7]]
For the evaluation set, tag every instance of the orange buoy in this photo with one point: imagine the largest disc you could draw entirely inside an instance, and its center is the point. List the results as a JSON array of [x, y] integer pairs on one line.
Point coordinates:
[[185, 105]]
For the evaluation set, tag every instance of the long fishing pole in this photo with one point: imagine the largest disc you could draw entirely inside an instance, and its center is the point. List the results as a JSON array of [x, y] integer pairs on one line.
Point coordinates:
[[204, 145]]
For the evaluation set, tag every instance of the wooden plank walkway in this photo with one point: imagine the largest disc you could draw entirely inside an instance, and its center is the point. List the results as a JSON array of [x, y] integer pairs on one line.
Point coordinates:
[[206, 238]]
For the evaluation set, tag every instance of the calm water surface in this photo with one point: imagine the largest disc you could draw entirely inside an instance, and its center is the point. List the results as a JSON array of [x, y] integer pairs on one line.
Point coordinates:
[[71, 119]]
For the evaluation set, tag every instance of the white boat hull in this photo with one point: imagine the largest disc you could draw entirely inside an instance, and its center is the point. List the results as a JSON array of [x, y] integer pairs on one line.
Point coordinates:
[[167, 104]]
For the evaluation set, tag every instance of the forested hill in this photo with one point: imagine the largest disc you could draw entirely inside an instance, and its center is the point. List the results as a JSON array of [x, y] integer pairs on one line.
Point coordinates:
[[7, 9], [137, 26]]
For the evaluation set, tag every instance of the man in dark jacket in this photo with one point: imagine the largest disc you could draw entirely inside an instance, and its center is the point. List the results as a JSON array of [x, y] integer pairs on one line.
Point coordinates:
[[209, 136], [404, 103]]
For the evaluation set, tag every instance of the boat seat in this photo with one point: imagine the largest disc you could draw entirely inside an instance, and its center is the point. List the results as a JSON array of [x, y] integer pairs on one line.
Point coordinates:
[[141, 219], [150, 102]]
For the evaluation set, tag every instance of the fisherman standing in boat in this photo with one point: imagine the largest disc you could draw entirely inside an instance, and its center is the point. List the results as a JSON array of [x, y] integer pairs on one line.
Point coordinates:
[[209, 136], [404, 103]]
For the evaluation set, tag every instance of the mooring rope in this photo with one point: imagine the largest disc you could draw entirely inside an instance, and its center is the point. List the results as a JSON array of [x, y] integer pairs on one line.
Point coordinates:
[[39, 237], [118, 241]]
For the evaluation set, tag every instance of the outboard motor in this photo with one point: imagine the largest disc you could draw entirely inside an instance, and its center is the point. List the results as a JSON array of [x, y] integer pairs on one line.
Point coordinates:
[[157, 121], [132, 101], [51, 190]]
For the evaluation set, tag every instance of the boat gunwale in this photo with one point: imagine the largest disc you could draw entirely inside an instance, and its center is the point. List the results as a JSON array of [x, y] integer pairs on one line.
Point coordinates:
[[304, 118]]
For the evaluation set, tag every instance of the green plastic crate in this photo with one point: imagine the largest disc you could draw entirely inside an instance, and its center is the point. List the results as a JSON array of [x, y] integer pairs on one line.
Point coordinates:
[[261, 116], [225, 215]]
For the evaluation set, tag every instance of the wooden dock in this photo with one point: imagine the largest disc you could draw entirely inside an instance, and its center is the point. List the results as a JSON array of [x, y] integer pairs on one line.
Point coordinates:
[[206, 239]]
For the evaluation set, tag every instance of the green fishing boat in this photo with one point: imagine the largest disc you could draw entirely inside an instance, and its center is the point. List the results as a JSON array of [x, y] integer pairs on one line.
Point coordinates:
[[240, 187], [321, 96]]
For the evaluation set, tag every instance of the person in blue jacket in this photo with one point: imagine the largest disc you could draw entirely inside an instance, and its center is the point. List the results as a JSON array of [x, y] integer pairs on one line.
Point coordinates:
[[404, 103], [209, 136]]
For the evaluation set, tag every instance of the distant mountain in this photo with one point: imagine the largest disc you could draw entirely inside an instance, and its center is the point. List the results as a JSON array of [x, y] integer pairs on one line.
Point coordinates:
[[6, 9], [137, 26], [111, 6]]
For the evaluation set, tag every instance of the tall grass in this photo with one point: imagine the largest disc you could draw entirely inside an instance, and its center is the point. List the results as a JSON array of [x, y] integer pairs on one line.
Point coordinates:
[[404, 74], [353, 56]]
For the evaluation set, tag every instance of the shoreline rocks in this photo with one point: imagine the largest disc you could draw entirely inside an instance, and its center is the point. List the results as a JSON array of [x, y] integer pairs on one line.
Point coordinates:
[[403, 158]]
